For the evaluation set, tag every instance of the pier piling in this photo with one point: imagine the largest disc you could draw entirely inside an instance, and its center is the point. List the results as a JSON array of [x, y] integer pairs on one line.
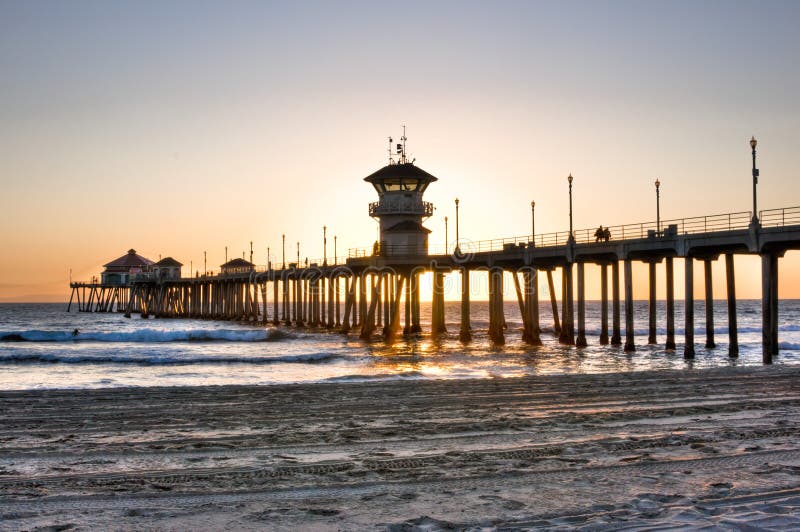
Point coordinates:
[[709, 289], [670, 343], [629, 331], [733, 330], [580, 341], [616, 337], [688, 349]]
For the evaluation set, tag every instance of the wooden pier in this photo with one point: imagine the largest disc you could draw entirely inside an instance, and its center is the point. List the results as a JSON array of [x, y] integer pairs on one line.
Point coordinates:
[[376, 292]]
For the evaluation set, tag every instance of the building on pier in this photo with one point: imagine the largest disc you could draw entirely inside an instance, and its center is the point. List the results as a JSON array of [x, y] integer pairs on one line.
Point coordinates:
[[123, 270], [400, 208], [237, 266], [167, 269]]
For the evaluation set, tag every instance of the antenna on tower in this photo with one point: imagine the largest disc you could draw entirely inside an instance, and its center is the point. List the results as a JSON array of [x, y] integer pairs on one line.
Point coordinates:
[[400, 149], [403, 138]]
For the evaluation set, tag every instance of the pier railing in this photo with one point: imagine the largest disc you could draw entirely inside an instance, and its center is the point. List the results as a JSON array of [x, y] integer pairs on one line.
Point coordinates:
[[666, 229], [780, 217]]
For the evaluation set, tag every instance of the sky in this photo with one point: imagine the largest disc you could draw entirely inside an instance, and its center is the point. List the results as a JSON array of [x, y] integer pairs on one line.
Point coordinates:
[[181, 127]]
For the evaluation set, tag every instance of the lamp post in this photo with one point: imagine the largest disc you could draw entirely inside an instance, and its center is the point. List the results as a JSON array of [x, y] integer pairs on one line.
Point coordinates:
[[205, 264], [335, 254], [251, 252], [325, 245], [571, 236], [269, 263], [283, 238], [753, 143], [658, 207], [226, 254], [533, 222], [298, 253], [446, 244], [457, 250]]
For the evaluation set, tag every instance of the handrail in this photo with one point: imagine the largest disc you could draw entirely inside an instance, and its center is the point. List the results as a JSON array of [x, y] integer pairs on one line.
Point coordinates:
[[643, 230], [780, 217]]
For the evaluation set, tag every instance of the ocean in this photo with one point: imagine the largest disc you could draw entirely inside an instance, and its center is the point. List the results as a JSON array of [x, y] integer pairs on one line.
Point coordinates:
[[38, 349]]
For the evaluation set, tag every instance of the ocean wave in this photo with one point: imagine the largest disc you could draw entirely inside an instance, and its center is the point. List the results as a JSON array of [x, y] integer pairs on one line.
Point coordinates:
[[406, 375], [150, 336], [788, 346], [164, 360]]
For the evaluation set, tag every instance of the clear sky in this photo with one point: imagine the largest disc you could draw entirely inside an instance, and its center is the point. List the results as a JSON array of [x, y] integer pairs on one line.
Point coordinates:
[[179, 127]]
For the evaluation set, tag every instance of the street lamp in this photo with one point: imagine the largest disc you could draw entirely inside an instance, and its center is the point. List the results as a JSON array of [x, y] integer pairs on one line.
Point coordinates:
[[226, 254], [325, 245], [533, 222], [335, 254], [251, 252], [457, 250], [658, 207], [205, 263], [753, 143], [269, 263], [283, 239], [571, 236], [298, 254], [445, 236]]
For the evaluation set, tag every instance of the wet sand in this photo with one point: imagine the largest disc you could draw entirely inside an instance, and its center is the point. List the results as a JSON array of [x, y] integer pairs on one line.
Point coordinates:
[[695, 448]]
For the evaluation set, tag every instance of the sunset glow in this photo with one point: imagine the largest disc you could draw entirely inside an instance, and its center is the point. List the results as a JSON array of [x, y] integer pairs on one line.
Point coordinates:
[[176, 130]]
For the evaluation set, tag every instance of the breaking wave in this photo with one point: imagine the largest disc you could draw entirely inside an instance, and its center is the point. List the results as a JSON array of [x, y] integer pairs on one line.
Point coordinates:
[[164, 360], [150, 336]]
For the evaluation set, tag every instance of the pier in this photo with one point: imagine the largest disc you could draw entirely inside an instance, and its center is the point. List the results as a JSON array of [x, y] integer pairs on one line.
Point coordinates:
[[375, 291]]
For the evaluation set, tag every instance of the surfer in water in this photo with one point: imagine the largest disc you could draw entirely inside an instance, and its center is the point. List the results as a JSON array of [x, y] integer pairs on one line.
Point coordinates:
[[76, 332]]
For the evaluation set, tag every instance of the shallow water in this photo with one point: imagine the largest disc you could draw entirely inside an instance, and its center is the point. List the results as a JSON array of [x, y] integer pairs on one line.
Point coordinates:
[[111, 350]]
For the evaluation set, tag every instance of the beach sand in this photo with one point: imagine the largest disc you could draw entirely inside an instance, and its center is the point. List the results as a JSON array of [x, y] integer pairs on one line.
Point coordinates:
[[692, 448]]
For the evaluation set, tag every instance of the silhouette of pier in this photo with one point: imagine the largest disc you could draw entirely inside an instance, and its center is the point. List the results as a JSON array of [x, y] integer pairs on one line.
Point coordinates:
[[376, 290]]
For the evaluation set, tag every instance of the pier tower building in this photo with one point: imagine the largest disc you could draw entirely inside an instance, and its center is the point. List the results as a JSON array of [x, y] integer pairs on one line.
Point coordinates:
[[400, 209]]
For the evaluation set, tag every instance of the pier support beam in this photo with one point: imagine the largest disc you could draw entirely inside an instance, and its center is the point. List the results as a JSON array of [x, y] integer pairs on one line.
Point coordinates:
[[415, 310], [670, 344], [688, 311], [285, 307], [496, 318], [616, 337], [630, 346], [733, 330], [331, 321], [337, 301], [532, 304], [407, 328], [580, 341], [567, 306], [769, 306], [604, 304], [651, 329], [275, 319], [465, 333], [362, 299], [349, 302], [437, 311], [709, 286], [553, 304]]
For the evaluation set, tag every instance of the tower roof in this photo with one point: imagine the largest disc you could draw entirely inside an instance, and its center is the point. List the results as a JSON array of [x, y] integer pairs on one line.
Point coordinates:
[[400, 171], [129, 260]]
